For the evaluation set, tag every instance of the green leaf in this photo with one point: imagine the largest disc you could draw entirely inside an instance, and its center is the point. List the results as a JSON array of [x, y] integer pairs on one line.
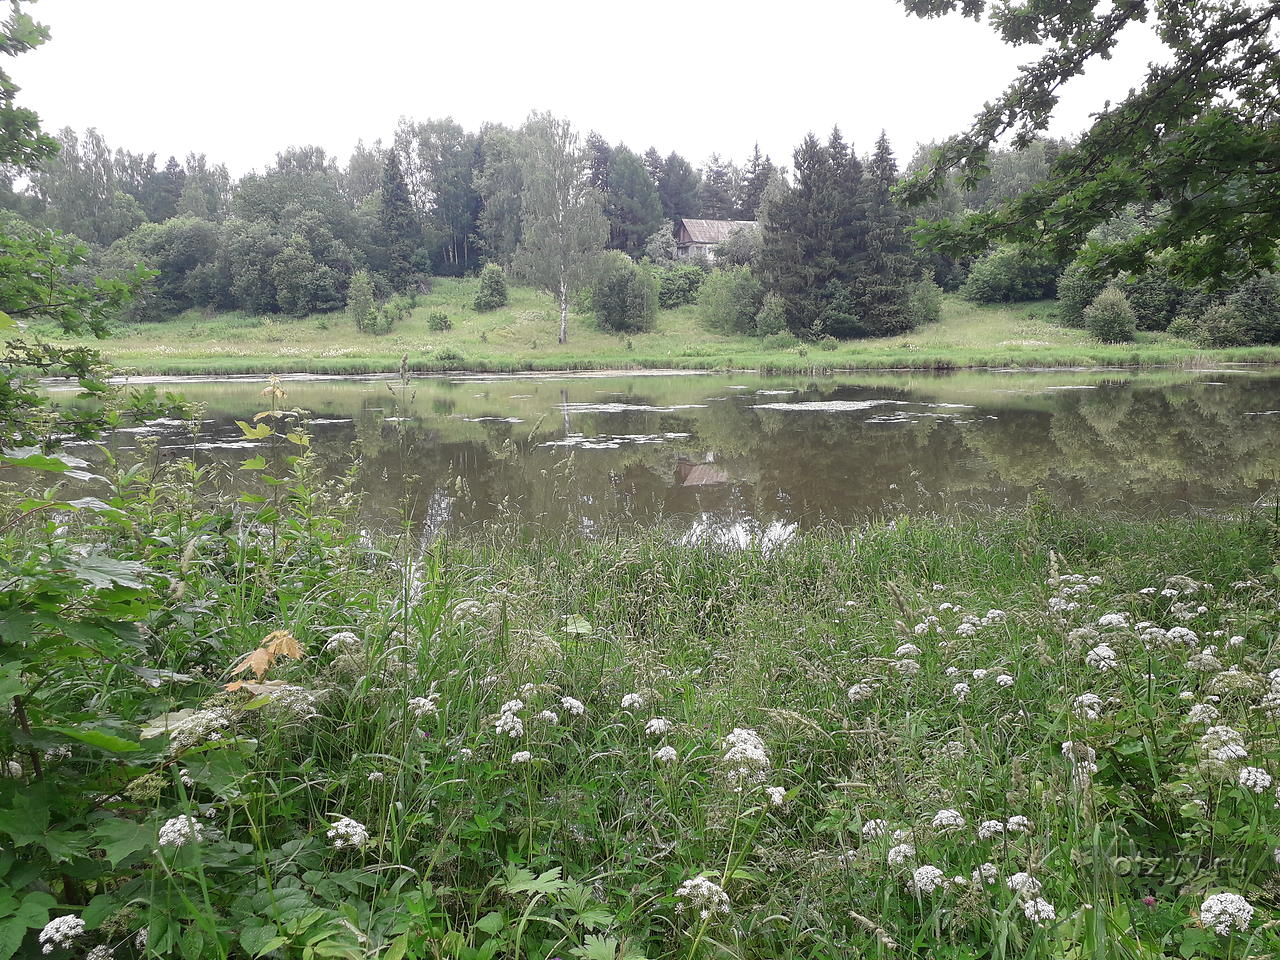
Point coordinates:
[[399, 947], [491, 922], [28, 819], [254, 463], [259, 432], [100, 571], [96, 738], [121, 838], [33, 458], [259, 940], [520, 880], [192, 943], [596, 947], [576, 624]]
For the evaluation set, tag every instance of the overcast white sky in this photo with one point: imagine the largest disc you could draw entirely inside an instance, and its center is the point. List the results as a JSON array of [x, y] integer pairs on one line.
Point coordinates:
[[241, 79]]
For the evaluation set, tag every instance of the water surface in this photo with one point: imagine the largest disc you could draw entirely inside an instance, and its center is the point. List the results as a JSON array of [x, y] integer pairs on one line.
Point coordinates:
[[740, 455]]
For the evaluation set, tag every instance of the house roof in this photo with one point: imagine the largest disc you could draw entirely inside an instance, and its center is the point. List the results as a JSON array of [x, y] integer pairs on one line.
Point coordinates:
[[712, 231]]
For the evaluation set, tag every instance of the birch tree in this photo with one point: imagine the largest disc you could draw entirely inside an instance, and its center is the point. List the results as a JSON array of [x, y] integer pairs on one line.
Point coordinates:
[[564, 227]]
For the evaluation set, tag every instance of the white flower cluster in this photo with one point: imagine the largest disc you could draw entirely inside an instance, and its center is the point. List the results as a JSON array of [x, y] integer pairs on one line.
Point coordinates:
[[900, 854], [1222, 745], [424, 706], [346, 832], [746, 760], [1203, 713], [1039, 911], [948, 819], [1083, 761], [61, 932], [776, 795], [702, 895], [521, 756], [633, 701], [1102, 658], [874, 828], [657, 726], [926, 879], [666, 755], [573, 707], [509, 721], [203, 726], [1224, 911], [990, 828], [1254, 779], [179, 831], [861, 691], [1087, 706]]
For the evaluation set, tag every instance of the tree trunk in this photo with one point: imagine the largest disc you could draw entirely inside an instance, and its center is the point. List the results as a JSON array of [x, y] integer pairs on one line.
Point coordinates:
[[564, 312]]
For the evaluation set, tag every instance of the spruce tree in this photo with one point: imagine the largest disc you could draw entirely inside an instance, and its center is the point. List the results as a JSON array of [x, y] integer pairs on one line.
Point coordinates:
[[890, 264], [599, 157], [755, 177], [631, 204], [678, 188], [398, 222], [715, 194]]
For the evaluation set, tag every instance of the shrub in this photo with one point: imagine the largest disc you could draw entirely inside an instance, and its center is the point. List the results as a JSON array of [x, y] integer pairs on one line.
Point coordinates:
[[730, 299], [924, 302], [438, 320], [678, 284], [1076, 290], [1155, 298], [624, 296], [493, 289], [782, 340], [740, 247], [1110, 318], [1009, 274], [1221, 326], [772, 316], [360, 299], [1183, 327], [661, 246], [1257, 303]]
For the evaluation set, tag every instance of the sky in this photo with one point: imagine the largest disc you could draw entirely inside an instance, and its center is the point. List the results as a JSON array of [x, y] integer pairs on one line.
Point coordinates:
[[240, 80]]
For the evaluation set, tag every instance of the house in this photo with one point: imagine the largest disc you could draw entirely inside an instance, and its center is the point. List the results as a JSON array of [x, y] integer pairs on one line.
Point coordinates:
[[693, 236]]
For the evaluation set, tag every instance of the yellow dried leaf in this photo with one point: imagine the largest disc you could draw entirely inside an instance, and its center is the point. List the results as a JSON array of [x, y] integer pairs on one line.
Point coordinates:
[[259, 661], [283, 643]]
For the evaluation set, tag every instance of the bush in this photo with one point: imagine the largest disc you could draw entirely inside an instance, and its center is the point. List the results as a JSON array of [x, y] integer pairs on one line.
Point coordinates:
[[782, 340], [360, 299], [1110, 318], [772, 316], [741, 247], [1155, 298], [1184, 327], [661, 246], [924, 302], [493, 289], [438, 320], [1076, 290], [1009, 274], [1221, 326], [730, 300], [678, 284], [624, 296], [1257, 303]]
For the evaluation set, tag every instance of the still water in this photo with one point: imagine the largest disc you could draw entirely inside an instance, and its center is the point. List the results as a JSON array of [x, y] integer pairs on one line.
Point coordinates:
[[740, 456]]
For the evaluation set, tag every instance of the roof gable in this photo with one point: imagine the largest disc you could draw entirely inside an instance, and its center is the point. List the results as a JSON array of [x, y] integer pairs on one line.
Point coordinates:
[[712, 231]]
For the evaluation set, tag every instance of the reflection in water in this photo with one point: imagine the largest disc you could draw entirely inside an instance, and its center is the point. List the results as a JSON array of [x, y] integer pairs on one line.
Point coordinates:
[[749, 459]]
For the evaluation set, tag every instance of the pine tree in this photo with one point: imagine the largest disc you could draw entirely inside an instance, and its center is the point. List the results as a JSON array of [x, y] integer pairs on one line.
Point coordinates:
[[398, 222], [599, 158], [653, 165], [890, 264], [715, 194], [759, 171]]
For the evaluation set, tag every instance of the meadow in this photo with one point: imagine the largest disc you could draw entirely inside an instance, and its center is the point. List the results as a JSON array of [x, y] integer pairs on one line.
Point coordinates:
[[522, 336], [253, 731]]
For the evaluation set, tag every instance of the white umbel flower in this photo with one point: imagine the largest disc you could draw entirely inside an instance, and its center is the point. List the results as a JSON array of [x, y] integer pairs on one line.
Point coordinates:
[[61, 932], [1018, 824], [347, 833], [1039, 912], [573, 707], [1226, 911], [100, 952], [180, 831], [1087, 706], [1254, 779], [900, 854], [948, 820], [1102, 658], [1024, 883], [657, 726], [990, 828], [746, 760], [702, 895], [926, 879], [423, 706], [984, 874], [632, 701], [521, 756], [776, 795], [666, 755], [874, 828]]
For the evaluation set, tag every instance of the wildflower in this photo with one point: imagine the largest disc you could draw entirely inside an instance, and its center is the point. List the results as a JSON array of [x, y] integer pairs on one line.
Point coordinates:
[[521, 756], [511, 706], [776, 795], [1147, 591], [422, 706], [657, 726], [994, 616], [745, 758], [908, 668], [984, 873], [203, 726], [960, 691], [1083, 762], [1223, 911], [100, 952], [861, 691], [874, 828], [1254, 779], [948, 820], [1118, 621], [1202, 713], [61, 932], [1087, 706], [573, 707], [179, 831], [980, 674], [704, 895], [510, 724], [900, 854], [1024, 883], [1222, 745], [1005, 680], [1204, 662], [907, 650], [666, 755], [1039, 911], [1102, 658], [926, 879], [346, 832], [632, 701], [990, 828], [1018, 824], [967, 630], [1182, 635]]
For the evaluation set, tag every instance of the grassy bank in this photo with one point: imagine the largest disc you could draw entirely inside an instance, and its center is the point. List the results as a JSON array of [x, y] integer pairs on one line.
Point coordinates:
[[1021, 735], [522, 336]]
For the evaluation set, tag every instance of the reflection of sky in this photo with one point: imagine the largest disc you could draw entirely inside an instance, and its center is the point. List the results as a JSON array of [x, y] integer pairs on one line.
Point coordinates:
[[587, 452]]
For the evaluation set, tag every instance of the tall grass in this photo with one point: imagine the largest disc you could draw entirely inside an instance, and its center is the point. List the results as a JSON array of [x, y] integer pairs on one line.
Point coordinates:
[[806, 727]]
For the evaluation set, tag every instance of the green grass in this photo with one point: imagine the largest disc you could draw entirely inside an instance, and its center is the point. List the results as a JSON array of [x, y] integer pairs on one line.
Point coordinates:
[[417, 660], [522, 336]]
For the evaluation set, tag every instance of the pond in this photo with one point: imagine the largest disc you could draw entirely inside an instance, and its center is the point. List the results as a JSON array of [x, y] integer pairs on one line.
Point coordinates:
[[742, 456]]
